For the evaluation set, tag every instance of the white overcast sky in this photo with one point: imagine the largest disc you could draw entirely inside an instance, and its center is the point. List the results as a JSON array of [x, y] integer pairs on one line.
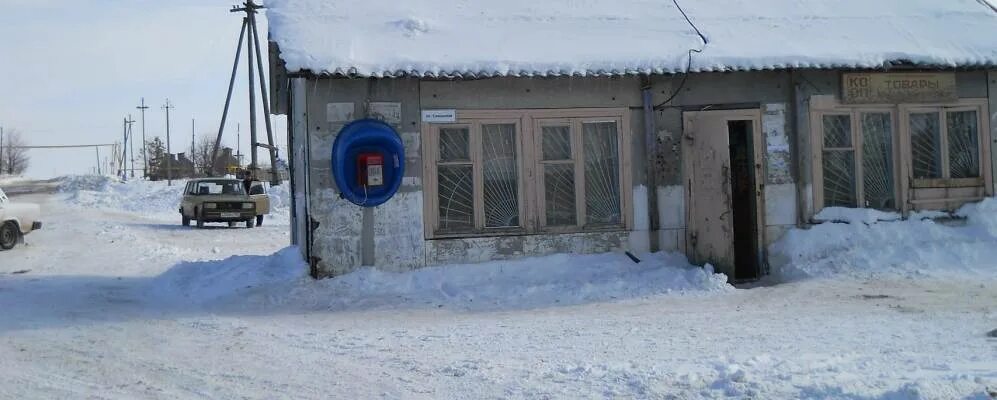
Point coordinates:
[[70, 71]]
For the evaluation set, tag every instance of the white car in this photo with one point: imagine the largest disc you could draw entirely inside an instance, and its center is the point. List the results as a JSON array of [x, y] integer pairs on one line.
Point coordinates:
[[16, 220]]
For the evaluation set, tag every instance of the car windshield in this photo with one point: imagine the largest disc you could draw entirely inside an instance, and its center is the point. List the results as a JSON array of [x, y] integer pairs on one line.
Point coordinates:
[[218, 187]]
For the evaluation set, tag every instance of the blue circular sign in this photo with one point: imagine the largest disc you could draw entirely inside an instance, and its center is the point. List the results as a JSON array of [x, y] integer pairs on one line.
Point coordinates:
[[368, 162]]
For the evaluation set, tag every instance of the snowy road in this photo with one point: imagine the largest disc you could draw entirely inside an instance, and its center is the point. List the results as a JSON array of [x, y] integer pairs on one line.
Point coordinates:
[[80, 324]]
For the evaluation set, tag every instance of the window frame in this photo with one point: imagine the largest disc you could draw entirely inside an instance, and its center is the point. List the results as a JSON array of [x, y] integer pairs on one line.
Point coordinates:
[[576, 129], [946, 179], [529, 169], [854, 148], [904, 182], [476, 161]]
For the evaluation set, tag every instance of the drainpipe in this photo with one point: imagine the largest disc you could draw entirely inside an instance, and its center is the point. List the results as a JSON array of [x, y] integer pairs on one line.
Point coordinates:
[[651, 145], [796, 158]]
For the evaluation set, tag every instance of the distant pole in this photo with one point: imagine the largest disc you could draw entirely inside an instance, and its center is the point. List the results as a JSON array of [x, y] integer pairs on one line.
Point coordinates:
[[169, 156], [145, 154], [238, 145], [98, 161], [192, 145], [131, 141], [122, 166]]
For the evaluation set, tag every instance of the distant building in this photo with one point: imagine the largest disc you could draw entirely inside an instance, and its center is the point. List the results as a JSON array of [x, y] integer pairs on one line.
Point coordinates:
[[175, 166], [225, 162]]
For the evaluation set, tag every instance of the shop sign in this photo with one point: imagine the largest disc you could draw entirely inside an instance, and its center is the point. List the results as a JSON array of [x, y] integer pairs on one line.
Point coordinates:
[[891, 88]]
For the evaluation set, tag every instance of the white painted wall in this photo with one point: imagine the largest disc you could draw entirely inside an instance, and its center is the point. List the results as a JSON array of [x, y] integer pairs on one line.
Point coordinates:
[[671, 218], [640, 237]]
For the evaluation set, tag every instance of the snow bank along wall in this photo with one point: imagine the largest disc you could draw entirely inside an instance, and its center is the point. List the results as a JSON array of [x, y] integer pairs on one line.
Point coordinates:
[[397, 237]]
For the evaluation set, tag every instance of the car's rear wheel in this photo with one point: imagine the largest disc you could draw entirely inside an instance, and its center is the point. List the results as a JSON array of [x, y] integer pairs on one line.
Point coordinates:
[[8, 235], [259, 220], [200, 218], [249, 223]]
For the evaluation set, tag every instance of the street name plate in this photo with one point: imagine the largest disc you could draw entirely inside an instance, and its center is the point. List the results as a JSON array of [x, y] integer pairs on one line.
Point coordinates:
[[439, 116]]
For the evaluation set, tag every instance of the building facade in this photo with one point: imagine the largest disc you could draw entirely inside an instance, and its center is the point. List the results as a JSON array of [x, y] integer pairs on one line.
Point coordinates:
[[715, 163]]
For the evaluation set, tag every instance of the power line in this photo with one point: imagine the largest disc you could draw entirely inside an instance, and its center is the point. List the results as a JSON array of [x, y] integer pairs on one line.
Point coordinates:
[[688, 67]]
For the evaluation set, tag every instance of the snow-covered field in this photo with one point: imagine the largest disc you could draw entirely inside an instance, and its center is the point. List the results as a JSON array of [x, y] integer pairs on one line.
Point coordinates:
[[114, 299]]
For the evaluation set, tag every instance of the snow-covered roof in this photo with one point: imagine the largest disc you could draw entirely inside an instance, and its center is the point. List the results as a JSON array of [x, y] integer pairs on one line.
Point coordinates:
[[481, 38]]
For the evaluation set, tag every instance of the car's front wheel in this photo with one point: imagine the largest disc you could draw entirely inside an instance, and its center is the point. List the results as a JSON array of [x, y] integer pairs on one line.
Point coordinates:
[[200, 219], [184, 219], [8, 235], [249, 223]]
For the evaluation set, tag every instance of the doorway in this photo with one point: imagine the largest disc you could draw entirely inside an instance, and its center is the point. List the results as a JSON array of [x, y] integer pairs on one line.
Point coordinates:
[[744, 200], [723, 176]]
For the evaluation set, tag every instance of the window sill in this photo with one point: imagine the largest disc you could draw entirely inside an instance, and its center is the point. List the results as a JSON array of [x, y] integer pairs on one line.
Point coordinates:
[[521, 232], [946, 183]]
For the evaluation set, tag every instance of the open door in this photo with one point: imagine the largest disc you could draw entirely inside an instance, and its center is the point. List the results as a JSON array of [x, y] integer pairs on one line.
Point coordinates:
[[723, 182]]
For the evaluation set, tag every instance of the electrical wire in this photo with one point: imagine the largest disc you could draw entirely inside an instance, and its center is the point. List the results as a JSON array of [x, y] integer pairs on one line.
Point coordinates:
[[688, 67]]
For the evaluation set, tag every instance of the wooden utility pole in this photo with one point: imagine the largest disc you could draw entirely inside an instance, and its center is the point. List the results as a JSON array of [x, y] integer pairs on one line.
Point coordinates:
[[145, 154], [254, 61], [122, 167], [131, 141], [192, 162], [126, 127], [169, 156]]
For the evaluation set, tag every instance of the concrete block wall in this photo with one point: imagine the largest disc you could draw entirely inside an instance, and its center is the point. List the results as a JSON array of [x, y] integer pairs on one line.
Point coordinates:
[[772, 93], [526, 93], [399, 241], [398, 226]]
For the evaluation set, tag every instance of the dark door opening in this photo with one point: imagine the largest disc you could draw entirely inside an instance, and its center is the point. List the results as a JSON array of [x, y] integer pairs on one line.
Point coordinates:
[[744, 200]]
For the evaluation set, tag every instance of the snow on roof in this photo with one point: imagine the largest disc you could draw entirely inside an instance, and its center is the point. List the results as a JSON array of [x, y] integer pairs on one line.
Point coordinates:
[[480, 38]]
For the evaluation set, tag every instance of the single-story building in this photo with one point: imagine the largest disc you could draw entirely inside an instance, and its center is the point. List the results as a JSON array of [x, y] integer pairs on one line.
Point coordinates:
[[707, 127]]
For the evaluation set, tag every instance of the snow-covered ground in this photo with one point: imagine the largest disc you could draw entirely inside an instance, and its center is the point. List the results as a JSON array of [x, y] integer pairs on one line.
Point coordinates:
[[114, 299]]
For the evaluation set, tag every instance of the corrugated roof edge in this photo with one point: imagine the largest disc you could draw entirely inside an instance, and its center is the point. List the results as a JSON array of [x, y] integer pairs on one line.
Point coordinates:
[[457, 75]]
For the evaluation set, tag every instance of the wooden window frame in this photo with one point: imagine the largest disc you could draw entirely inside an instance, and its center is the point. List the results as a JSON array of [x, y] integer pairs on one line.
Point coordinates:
[[855, 126], [904, 182], [946, 179], [529, 168]]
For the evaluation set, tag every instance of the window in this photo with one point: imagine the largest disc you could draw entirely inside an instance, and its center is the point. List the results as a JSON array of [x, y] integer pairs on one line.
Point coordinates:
[[899, 157], [526, 171], [857, 159], [478, 177], [945, 142], [580, 160]]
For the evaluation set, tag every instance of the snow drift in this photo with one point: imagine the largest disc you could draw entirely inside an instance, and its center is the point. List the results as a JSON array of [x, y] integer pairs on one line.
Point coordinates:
[[281, 281], [146, 197], [110, 193], [876, 243]]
